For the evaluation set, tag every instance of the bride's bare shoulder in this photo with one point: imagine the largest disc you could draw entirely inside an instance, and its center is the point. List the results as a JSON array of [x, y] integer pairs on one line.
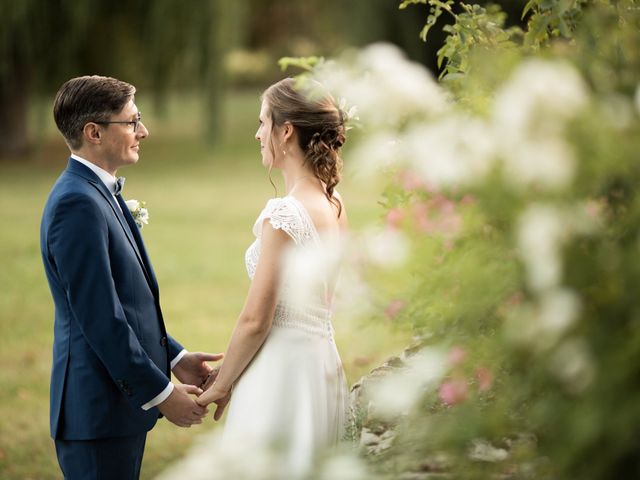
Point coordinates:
[[343, 220], [323, 213]]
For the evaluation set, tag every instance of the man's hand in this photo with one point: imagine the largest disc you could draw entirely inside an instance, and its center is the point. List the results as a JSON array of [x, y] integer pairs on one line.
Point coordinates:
[[181, 409], [193, 369]]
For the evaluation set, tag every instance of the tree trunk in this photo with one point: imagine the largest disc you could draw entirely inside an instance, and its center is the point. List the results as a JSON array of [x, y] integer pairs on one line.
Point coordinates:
[[228, 21], [14, 96], [214, 73]]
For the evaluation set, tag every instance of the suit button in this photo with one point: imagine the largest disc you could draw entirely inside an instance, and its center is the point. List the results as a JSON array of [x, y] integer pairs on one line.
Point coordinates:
[[163, 341]]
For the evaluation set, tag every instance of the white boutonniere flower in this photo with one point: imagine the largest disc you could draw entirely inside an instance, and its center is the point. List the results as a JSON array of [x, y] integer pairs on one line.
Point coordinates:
[[139, 212]]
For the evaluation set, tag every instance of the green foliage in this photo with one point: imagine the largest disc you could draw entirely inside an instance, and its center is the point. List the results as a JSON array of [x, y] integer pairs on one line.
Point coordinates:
[[304, 63], [551, 19], [476, 26], [522, 220], [436, 8], [564, 405]]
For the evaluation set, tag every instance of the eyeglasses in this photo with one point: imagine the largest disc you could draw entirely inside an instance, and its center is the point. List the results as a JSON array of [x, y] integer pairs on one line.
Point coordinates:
[[135, 122]]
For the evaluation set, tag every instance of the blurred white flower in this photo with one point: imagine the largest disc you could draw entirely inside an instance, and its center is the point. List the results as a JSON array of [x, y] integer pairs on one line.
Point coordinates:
[[386, 247], [529, 115], [213, 459], [384, 85], [617, 110], [540, 232], [541, 324], [573, 363], [353, 297], [558, 310], [547, 162], [375, 155], [540, 94], [397, 393], [456, 150], [307, 269], [407, 85], [344, 466]]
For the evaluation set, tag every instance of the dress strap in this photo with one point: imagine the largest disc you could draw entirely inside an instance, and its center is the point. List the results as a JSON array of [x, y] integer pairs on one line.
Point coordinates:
[[288, 215]]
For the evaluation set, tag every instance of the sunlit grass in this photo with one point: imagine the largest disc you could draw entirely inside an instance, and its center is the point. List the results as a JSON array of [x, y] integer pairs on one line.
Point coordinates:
[[203, 200]]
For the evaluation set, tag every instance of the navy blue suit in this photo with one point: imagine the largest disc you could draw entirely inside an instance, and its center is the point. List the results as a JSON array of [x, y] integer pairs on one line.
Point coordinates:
[[111, 352]]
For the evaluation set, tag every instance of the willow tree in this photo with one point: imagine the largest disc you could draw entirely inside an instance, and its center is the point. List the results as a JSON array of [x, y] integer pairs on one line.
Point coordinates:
[[157, 44]]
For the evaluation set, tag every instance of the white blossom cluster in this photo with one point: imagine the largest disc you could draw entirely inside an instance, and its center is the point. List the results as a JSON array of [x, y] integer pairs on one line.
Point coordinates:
[[410, 121], [214, 457]]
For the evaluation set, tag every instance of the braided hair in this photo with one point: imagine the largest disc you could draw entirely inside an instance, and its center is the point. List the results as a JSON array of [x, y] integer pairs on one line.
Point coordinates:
[[319, 124]]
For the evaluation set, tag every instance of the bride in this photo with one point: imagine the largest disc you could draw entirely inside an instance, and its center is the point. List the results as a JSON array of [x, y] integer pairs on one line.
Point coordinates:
[[282, 365]]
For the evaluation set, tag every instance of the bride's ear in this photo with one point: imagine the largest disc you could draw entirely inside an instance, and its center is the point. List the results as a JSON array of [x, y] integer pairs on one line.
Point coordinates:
[[287, 131]]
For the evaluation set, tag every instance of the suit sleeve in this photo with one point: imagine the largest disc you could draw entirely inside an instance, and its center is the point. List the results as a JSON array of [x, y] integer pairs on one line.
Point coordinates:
[[78, 241], [174, 347]]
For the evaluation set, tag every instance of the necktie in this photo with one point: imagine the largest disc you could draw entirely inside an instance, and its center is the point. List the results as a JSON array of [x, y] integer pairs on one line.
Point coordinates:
[[119, 185]]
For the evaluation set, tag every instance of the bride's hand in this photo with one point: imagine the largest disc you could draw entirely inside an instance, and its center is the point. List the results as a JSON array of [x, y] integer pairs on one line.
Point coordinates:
[[215, 395]]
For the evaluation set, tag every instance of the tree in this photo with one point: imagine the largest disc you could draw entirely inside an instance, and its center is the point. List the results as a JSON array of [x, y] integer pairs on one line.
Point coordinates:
[[155, 44]]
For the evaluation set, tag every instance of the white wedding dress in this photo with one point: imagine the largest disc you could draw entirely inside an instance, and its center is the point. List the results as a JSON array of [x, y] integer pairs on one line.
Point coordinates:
[[291, 399]]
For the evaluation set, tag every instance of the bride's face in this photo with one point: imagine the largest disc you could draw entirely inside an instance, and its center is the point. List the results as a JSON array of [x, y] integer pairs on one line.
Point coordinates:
[[263, 135]]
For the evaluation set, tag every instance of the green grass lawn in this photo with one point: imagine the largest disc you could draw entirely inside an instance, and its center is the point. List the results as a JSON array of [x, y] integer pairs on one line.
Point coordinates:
[[202, 201]]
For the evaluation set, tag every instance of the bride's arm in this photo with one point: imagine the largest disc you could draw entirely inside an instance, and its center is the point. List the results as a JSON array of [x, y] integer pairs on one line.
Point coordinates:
[[254, 322]]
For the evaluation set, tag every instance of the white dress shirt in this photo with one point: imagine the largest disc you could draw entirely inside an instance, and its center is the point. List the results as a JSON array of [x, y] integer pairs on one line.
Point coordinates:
[[110, 182]]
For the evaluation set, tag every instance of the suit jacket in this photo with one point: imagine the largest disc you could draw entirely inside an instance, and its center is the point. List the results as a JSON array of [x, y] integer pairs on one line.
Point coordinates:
[[111, 352]]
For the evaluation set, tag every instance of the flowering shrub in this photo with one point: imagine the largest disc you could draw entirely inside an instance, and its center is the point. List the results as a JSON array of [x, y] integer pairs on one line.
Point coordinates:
[[513, 200]]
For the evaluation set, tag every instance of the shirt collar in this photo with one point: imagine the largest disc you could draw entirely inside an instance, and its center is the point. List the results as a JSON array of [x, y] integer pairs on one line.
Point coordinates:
[[108, 179]]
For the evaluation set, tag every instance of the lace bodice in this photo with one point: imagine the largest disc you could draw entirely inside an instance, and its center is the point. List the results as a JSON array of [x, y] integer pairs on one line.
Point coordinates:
[[286, 214], [303, 301]]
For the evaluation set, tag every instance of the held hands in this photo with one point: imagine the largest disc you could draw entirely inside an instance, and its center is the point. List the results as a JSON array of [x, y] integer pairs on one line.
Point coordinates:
[[215, 395], [181, 409], [193, 369]]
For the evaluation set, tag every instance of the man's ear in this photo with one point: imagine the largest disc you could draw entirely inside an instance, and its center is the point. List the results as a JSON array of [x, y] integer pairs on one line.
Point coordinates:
[[91, 133]]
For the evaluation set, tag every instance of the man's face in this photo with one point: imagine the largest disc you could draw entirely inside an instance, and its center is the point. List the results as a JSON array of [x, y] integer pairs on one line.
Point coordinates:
[[120, 143]]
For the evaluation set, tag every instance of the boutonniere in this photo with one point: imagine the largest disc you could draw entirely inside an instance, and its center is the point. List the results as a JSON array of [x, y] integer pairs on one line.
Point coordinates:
[[138, 211]]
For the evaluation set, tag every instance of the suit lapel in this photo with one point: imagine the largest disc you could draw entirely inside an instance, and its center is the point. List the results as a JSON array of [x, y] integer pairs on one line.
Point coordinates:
[[133, 227], [79, 169]]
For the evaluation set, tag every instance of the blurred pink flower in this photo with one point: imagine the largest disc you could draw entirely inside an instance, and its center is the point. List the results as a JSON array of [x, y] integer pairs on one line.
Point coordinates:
[[394, 217], [394, 308], [485, 378], [453, 392], [457, 355], [437, 215], [516, 299], [594, 208], [410, 180], [468, 199], [421, 215]]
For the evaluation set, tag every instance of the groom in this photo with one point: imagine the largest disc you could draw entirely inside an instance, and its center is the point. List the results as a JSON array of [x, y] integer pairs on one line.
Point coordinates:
[[112, 356]]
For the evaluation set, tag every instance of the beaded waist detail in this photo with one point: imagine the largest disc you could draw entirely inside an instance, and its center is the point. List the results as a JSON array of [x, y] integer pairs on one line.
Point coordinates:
[[311, 319]]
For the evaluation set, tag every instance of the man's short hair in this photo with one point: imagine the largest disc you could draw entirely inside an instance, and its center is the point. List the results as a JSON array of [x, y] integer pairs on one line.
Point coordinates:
[[91, 98]]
